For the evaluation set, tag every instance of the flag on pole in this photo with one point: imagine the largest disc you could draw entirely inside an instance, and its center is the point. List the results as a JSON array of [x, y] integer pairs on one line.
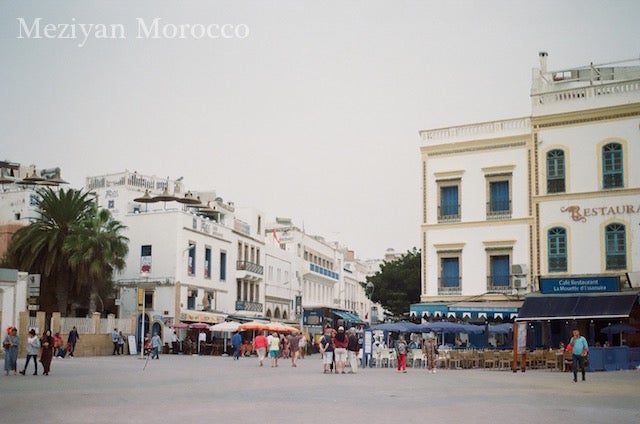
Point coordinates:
[[275, 238]]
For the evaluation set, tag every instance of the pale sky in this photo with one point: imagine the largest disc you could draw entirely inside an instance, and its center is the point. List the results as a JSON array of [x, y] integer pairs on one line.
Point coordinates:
[[311, 111]]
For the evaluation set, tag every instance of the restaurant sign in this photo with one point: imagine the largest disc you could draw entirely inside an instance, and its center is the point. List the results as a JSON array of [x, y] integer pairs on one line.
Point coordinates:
[[580, 214], [579, 285]]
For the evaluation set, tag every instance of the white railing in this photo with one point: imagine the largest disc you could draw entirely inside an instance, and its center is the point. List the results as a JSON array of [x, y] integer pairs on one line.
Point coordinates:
[[484, 129], [585, 93], [87, 325]]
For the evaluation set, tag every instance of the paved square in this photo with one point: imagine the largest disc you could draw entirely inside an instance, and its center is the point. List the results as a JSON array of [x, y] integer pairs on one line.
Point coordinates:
[[194, 389]]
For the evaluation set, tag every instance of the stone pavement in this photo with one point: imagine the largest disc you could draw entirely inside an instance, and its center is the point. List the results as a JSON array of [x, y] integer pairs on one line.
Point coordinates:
[[205, 389]]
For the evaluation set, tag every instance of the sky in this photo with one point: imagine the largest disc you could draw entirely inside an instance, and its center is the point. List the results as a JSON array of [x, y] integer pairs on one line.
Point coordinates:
[[302, 109]]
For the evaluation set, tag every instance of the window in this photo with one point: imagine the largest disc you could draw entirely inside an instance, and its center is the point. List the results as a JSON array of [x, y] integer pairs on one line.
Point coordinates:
[[499, 199], [555, 172], [499, 269], [450, 274], [223, 266], [616, 247], [449, 207], [145, 258], [557, 250], [612, 166], [191, 259], [191, 299], [207, 262]]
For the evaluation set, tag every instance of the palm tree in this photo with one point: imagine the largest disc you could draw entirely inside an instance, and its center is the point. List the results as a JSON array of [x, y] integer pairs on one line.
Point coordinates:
[[96, 249], [38, 248]]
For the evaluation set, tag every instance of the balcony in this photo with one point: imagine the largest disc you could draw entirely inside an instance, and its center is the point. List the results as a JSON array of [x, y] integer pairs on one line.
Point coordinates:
[[449, 213], [249, 266], [324, 271], [449, 286], [243, 305], [499, 209], [499, 284]]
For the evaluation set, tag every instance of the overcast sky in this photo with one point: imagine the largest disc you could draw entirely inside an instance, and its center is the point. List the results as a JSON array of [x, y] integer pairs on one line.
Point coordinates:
[[309, 110]]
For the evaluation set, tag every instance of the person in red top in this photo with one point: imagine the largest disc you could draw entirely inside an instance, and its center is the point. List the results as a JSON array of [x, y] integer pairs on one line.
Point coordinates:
[[260, 345], [340, 343]]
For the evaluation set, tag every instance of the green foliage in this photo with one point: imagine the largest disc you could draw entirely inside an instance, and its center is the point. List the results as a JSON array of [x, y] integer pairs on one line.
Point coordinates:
[[71, 244], [397, 284]]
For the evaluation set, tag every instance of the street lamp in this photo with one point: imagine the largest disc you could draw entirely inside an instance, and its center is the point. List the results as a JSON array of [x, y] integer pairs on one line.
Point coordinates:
[[146, 276]]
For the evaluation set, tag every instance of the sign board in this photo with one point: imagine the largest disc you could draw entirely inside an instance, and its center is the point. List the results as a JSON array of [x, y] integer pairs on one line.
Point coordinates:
[[597, 284], [34, 307], [133, 346], [33, 285]]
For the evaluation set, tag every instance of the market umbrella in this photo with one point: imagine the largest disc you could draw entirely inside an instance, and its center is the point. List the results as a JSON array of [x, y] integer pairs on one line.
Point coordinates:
[[225, 327], [401, 327], [279, 327], [254, 326], [180, 325], [505, 328], [199, 326], [619, 328], [592, 333]]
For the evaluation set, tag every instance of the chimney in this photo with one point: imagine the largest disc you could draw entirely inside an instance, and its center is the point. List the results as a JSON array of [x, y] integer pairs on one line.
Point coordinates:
[[543, 61]]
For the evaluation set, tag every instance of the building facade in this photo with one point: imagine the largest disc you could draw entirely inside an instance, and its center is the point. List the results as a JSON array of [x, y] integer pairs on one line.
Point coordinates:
[[510, 203]]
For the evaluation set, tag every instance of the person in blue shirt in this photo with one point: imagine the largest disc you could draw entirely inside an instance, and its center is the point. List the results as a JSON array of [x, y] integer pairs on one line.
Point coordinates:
[[236, 342], [579, 353]]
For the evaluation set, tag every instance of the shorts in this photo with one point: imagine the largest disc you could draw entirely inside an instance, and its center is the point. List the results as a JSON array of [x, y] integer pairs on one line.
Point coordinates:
[[341, 354], [273, 353], [327, 358]]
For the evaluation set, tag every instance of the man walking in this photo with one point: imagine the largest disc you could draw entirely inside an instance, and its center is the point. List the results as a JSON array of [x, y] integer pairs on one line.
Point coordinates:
[[156, 342], [579, 353], [74, 337], [114, 339], [236, 342]]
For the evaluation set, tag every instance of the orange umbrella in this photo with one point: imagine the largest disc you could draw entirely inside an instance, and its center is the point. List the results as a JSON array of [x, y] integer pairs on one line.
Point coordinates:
[[253, 326], [279, 327]]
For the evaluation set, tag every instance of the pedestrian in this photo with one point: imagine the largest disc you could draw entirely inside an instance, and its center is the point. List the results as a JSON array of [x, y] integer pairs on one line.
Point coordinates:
[[326, 349], [579, 352], [294, 347], [120, 343], [401, 350], [274, 348], [156, 342], [260, 345], [302, 343], [429, 349], [10, 343], [340, 342], [73, 338], [33, 347], [114, 340], [236, 342], [47, 346], [58, 346], [353, 347]]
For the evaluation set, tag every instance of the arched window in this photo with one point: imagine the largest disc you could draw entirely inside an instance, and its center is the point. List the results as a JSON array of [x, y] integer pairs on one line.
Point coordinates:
[[612, 171], [557, 250], [616, 246], [555, 171]]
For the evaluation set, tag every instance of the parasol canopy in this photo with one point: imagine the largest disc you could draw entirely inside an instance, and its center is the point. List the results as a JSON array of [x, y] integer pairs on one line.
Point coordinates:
[[619, 328], [225, 327], [199, 326]]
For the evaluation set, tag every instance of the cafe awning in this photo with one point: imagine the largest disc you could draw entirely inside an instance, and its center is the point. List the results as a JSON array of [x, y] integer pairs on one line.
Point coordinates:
[[540, 307], [348, 317]]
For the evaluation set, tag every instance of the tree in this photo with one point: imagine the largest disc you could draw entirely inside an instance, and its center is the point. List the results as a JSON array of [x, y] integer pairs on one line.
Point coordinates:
[[397, 284], [38, 248], [96, 248]]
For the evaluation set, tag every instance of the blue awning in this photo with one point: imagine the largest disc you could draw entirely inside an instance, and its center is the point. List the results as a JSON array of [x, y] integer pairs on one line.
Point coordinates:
[[348, 317]]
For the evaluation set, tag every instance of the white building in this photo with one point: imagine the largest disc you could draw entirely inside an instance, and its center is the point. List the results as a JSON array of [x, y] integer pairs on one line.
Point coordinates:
[[510, 203]]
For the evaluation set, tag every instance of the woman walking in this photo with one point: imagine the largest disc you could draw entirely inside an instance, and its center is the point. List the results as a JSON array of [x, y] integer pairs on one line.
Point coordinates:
[[10, 343], [33, 347], [46, 355]]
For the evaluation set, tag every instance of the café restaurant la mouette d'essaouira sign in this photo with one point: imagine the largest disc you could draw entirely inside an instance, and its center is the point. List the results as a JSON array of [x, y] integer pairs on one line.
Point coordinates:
[[597, 284]]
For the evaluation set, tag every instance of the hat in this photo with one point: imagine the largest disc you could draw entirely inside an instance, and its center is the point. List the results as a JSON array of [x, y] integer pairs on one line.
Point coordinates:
[[341, 328]]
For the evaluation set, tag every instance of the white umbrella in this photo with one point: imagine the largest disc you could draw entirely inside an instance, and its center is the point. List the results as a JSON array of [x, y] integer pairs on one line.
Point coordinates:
[[225, 327]]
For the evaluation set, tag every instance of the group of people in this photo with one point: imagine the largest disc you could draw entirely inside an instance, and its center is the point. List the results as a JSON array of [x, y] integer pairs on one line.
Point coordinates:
[[117, 338], [277, 346], [47, 346], [339, 349]]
